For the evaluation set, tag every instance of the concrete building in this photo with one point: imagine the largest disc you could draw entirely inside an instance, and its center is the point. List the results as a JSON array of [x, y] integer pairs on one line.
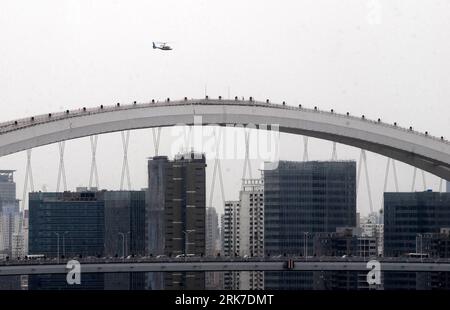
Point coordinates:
[[176, 214], [300, 200], [372, 226], [10, 216], [251, 230], [230, 226], [11, 232], [88, 223]]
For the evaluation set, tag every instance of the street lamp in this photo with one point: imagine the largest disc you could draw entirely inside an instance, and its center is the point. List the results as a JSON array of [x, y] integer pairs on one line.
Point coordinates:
[[128, 244], [57, 245], [417, 246], [123, 243], [64, 242], [186, 233], [305, 244]]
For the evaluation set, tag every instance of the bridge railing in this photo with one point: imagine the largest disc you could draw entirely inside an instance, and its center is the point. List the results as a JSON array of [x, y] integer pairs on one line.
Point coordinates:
[[51, 117]]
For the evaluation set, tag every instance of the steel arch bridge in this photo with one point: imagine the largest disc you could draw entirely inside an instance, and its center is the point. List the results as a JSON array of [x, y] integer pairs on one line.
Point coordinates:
[[420, 150]]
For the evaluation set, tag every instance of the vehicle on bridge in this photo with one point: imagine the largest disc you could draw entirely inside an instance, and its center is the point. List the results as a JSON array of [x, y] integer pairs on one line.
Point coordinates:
[[417, 255], [185, 255], [35, 256]]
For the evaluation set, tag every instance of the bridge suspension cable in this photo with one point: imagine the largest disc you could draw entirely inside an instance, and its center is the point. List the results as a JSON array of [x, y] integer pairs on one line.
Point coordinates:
[[334, 153], [61, 169], [28, 180], [386, 177], [217, 170], [93, 178], [125, 168], [363, 160], [156, 138], [424, 182], [305, 148], [247, 164]]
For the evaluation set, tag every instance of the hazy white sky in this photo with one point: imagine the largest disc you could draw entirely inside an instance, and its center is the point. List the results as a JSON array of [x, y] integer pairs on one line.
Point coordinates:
[[387, 59]]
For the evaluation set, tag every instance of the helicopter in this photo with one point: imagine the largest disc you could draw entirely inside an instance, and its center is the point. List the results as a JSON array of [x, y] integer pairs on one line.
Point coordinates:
[[162, 46]]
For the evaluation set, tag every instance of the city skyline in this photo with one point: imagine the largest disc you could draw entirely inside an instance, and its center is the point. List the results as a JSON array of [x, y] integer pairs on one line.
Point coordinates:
[[374, 34], [224, 145]]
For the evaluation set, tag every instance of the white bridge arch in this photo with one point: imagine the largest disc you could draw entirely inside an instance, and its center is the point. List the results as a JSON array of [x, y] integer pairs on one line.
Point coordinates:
[[420, 150]]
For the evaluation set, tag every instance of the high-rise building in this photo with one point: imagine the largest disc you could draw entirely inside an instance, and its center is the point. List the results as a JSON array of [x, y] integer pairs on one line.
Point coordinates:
[[300, 200], [68, 223], [124, 223], [10, 216], [230, 226], [243, 233], [176, 214], [230, 229], [408, 215], [212, 279], [11, 232], [87, 223], [251, 230], [251, 218], [409, 219]]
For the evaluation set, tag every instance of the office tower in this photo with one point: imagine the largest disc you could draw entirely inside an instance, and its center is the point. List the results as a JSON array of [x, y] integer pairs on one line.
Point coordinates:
[[251, 230], [87, 223], [68, 223], [156, 197], [177, 213], [408, 215], [124, 223], [230, 241], [408, 218], [302, 199]]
